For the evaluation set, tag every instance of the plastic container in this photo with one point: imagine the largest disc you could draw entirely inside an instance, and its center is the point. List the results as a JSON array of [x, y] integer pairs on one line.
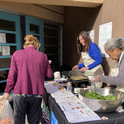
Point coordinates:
[[69, 86]]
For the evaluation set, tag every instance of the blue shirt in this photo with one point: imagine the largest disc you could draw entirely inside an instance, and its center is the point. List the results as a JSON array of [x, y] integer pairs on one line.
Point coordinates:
[[95, 54]]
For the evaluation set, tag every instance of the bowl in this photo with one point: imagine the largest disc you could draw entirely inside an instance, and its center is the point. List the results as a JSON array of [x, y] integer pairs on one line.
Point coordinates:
[[78, 90], [103, 106]]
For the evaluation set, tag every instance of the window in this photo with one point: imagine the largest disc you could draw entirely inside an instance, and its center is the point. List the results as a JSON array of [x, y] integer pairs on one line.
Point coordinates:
[[52, 44], [10, 41]]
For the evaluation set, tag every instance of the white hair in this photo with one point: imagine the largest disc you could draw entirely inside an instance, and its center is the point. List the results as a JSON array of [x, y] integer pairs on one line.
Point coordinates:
[[114, 42]]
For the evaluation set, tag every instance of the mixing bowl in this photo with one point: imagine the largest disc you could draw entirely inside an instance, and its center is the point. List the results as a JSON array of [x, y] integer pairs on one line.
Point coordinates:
[[103, 106]]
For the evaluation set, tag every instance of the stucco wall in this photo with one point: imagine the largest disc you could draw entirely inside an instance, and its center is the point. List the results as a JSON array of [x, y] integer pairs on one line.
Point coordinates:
[[78, 19]]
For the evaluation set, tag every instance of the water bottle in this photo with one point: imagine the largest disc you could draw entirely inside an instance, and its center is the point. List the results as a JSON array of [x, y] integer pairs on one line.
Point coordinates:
[[69, 86]]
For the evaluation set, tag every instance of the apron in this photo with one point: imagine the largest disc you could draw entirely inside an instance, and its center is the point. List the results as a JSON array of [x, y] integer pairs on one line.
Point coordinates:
[[114, 73], [98, 70]]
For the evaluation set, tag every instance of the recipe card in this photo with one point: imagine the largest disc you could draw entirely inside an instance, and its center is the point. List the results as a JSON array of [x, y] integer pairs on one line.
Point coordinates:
[[61, 93], [68, 106], [68, 98], [82, 115], [50, 88]]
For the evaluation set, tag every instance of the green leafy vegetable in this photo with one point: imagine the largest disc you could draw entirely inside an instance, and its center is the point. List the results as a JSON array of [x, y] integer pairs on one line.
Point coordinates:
[[94, 95]]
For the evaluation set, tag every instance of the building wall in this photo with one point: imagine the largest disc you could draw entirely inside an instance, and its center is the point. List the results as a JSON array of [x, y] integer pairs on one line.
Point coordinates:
[[78, 19], [47, 12]]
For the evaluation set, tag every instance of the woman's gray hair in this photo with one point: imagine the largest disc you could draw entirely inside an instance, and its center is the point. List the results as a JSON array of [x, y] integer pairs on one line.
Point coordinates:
[[114, 42]]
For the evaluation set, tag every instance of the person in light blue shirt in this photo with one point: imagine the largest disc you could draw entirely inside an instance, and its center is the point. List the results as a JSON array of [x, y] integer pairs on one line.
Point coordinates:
[[90, 53]]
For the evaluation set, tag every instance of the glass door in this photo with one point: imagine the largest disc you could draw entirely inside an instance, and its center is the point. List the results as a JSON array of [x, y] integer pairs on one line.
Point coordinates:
[[34, 27], [10, 41]]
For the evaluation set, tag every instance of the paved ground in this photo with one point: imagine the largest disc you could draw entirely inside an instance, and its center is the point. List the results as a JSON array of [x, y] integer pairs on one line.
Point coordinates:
[[27, 122]]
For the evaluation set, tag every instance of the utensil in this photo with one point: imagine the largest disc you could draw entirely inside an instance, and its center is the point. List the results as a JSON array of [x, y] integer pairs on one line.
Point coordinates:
[[111, 91], [77, 78], [94, 87], [77, 73], [102, 91]]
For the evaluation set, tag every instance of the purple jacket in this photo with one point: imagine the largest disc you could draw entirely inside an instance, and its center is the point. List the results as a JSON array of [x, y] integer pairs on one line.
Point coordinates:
[[27, 72]]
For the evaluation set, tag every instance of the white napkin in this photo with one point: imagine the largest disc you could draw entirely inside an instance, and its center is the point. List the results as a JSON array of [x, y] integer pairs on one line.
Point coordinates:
[[120, 109]]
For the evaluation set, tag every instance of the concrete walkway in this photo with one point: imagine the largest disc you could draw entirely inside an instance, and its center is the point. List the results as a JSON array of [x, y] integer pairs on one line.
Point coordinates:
[[26, 122]]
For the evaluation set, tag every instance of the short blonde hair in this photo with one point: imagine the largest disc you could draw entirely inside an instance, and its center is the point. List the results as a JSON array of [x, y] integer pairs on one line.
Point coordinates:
[[31, 40]]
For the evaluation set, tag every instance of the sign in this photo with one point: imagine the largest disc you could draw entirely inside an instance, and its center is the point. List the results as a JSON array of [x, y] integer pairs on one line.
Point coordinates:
[[5, 50], [105, 33], [2, 38], [0, 48], [91, 34]]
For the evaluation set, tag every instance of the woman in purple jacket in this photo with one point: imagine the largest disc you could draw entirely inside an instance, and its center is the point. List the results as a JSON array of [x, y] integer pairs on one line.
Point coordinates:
[[26, 76]]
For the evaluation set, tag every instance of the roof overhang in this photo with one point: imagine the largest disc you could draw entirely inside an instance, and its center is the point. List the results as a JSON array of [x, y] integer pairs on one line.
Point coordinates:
[[76, 3]]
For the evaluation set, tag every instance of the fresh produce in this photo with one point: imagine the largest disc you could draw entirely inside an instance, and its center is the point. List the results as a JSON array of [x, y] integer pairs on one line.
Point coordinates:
[[5, 121], [94, 95]]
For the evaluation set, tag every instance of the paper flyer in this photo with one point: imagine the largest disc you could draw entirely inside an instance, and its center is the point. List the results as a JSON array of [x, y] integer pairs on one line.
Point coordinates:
[[5, 50], [82, 115]]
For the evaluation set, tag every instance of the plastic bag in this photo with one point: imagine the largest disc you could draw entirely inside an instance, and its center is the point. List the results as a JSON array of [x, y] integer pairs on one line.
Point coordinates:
[[6, 113], [45, 112]]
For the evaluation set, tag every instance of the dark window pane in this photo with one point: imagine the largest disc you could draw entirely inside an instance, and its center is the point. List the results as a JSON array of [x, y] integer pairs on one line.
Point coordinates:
[[2, 86], [7, 25], [50, 41], [36, 37], [55, 61], [51, 50], [54, 66], [53, 57], [3, 75], [10, 38], [5, 63], [34, 29], [7, 50], [50, 32], [51, 26]]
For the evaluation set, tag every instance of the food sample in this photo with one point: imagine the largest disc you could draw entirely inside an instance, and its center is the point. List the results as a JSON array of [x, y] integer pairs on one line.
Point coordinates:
[[49, 81], [94, 95], [78, 77], [104, 118], [55, 84], [61, 88], [65, 84]]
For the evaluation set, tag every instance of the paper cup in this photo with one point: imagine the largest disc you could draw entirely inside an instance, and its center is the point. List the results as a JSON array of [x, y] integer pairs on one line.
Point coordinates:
[[76, 90], [57, 75]]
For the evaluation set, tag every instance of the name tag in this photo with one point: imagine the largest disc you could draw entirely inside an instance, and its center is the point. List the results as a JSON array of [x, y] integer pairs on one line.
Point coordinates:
[[84, 56]]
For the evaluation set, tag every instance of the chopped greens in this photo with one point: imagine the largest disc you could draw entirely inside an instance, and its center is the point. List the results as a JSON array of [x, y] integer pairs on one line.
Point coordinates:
[[94, 95]]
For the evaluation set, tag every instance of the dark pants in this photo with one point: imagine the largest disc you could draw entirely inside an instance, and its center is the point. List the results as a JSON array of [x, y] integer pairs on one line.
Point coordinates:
[[27, 105]]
